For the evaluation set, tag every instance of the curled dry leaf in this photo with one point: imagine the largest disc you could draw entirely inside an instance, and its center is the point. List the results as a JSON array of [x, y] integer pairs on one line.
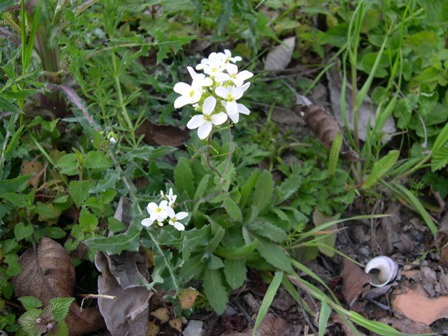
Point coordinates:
[[121, 277], [280, 56], [325, 128], [353, 281], [48, 273]]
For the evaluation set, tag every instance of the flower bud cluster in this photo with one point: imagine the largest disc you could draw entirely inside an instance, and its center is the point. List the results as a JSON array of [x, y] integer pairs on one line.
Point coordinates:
[[214, 93], [163, 212]]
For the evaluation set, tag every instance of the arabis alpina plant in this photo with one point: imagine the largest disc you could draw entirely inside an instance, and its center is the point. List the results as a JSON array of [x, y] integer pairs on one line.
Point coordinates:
[[164, 212], [214, 93]]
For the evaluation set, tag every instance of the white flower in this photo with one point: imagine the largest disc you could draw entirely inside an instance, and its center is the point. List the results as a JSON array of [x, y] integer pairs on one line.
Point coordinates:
[[189, 94], [204, 122], [174, 220], [147, 222], [233, 75], [229, 57], [231, 94], [214, 64], [199, 79], [159, 212], [170, 197]]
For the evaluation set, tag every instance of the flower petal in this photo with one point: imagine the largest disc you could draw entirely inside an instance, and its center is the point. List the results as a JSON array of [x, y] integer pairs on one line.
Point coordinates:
[[196, 121], [170, 212], [181, 215], [182, 88], [218, 119], [234, 117], [209, 105], [222, 91], [147, 222], [205, 129], [243, 109], [245, 75], [151, 207], [179, 226], [232, 108], [181, 101]]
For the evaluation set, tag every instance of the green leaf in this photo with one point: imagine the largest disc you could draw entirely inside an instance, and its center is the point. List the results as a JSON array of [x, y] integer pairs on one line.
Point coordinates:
[[109, 182], [324, 315], [381, 167], [14, 267], [97, 160], [263, 191], [202, 187], [87, 220], [235, 272], [248, 187], [233, 210], [5, 105], [60, 307], [30, 302], [128, 241], [274, 255], [14, 185], [267, 300], [149, 153], [22, 231], [193, 267], [183, 177], [334, 154], [224, 15], [215, 290], [441, 139], [439, 158], [235, 252], [28, 322], [268, 230], [215, 262], [79, 190], [68, 164], [214, 242], [288, 187], [330, 238]]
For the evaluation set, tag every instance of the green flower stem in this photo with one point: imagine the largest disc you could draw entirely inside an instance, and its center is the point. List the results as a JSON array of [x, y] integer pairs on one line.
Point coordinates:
[[124, 111]]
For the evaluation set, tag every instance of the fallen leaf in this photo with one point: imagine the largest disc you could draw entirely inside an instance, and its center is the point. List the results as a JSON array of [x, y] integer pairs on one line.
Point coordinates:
[[279, 57], [187, 297], [366, 112], [325, 128], [48, 273], [161, 314], [120, 277], [415, 304], [162, 135], [354, 279]]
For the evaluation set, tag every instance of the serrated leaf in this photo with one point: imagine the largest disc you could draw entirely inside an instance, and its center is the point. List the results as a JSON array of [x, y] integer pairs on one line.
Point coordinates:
[[214, 242], [215, 290], [263, 191], [28, 322], [233, 210], [268, 230], [22, 231], [215, 262], [202, 187], [149, 153], [128, 241], [439, 158], [235, 272], [109, 182], [30, 302], [381, 167], [288, 187], [68, 164], [97, 160], [274, 255], [79, 190], [183, 177], [60, 307], [87, 220]]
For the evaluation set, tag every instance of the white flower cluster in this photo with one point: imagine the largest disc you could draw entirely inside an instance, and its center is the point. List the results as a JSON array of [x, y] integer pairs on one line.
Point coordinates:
[[164, 212], [215, 92]]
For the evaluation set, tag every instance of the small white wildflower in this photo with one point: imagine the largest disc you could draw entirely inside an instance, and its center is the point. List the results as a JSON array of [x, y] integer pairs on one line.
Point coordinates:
[[233, 75], [230, 95], [174, 220], [229, 58], [204, 122], [170, 197], [213, 65]]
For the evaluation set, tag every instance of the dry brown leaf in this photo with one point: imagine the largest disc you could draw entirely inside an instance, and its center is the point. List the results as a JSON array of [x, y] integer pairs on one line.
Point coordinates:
[[325, 128], [279, 57], [120, 277], [162, 135], [48, 273], [366, 112], [353, 281], [187, 297]]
